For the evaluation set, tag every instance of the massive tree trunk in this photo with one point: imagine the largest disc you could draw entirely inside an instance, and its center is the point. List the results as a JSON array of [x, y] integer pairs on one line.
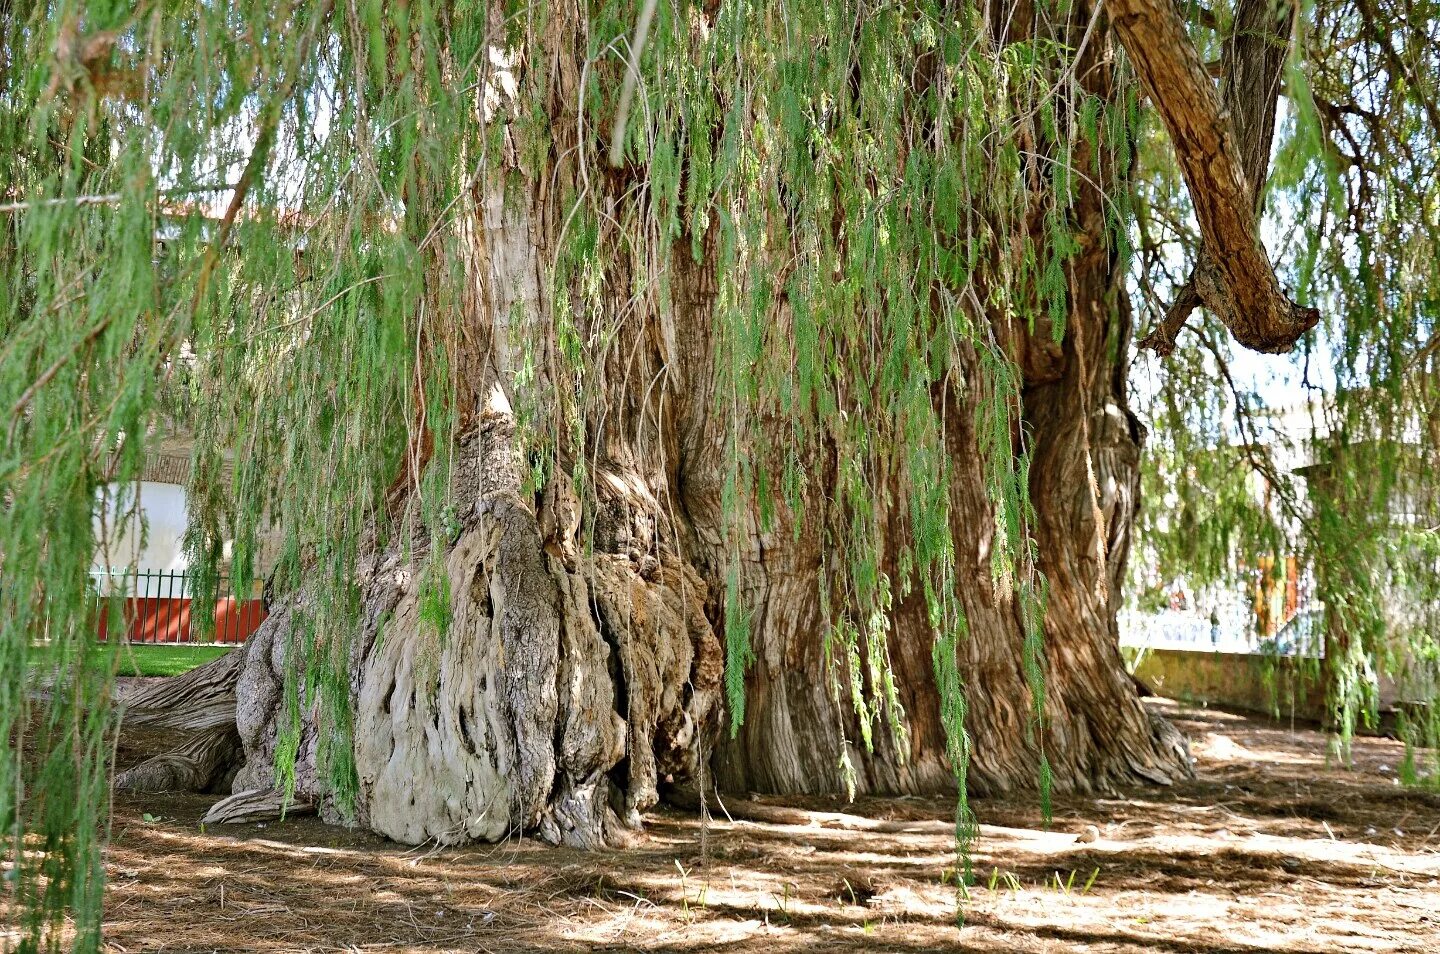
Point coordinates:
[[1084, 485], [579, 664]]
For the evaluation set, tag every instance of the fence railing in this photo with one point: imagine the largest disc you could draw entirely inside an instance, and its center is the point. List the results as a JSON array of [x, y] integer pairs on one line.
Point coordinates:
[[1232, 633], [158, 607]]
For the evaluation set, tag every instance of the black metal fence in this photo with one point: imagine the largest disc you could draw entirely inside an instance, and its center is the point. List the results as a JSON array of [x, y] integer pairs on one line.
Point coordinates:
[[158, 607]]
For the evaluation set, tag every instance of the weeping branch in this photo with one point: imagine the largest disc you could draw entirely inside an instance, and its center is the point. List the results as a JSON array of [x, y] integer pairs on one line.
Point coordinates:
[[1224, 153], [632, 75]]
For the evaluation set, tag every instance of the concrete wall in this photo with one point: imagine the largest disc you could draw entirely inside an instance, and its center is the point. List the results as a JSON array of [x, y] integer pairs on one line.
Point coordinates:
[[161, 546], [1285, 686], [1240, 681]]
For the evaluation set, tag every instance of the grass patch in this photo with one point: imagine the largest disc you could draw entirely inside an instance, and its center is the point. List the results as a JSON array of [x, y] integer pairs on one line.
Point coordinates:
[[144, 659]]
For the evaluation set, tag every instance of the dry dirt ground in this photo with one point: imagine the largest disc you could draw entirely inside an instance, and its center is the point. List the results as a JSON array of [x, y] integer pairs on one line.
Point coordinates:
[[1268, 850]]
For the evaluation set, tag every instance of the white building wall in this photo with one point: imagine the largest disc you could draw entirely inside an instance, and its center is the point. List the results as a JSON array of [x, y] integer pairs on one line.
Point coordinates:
[[152, 540]]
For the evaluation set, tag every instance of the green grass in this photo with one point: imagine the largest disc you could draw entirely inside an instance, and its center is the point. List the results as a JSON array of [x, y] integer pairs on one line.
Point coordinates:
[[144, 659]]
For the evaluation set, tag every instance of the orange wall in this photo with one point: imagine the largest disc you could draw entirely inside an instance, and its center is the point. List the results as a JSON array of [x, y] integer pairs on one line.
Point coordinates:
[[159, 620]]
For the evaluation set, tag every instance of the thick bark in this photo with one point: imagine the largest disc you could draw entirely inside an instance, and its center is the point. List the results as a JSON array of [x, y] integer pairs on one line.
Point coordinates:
[[563, 690], [573, 677], [1084, 485], [1224, 153], [580, 667], [255, 805], [200, 702]]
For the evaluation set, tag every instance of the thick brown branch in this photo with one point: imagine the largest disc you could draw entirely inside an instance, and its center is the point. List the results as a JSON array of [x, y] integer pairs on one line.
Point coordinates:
[[1161, 339], [1223, 165], [1252, 79]]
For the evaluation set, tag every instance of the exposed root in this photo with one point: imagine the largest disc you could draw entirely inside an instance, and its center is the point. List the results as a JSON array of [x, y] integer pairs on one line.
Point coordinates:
[[255, 805], [203, 698], [203, 760]]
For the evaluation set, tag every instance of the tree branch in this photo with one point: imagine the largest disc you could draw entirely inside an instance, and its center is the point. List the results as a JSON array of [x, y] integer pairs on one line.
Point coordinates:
[[1224, 160]]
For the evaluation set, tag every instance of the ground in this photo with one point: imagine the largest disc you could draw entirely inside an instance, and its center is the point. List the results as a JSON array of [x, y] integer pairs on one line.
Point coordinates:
[[1268, 850]]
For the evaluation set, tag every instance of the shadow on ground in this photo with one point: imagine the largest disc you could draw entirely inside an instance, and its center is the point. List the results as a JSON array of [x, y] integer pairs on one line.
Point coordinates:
[[1268, 850]]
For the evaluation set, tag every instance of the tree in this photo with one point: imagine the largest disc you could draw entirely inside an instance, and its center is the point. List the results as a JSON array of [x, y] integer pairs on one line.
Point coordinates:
[[648, 395]]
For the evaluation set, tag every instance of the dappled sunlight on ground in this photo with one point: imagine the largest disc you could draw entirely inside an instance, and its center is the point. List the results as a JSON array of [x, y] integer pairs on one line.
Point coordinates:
[[1268, 850]]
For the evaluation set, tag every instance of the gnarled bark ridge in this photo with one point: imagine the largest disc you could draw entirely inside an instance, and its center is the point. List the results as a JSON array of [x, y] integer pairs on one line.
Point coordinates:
[[578, 668], [563, 689]]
